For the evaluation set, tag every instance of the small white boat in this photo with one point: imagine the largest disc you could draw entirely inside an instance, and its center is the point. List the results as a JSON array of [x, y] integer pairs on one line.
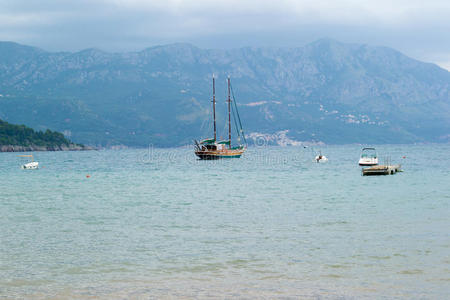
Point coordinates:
[[321, 158], [30, 165], [368, 157]]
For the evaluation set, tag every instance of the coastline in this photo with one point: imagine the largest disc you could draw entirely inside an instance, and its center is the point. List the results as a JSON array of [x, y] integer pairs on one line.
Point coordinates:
[[18, 148]]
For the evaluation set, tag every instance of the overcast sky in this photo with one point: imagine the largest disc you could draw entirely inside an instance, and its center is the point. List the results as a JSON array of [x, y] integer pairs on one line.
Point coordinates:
[[420, 29]]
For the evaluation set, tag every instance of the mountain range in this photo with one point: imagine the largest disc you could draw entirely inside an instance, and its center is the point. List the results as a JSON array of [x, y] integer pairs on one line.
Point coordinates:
[[326, 91]]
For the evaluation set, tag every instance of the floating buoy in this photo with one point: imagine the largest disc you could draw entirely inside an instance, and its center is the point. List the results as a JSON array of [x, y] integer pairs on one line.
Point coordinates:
[[403, 156], [88, 176]]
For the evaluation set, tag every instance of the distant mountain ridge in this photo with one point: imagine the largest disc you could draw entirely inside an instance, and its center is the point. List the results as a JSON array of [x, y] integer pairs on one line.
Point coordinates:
[[325, 91]]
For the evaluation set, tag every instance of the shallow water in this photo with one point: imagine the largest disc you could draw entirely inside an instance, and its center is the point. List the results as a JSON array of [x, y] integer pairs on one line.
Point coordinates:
[[159, 223]]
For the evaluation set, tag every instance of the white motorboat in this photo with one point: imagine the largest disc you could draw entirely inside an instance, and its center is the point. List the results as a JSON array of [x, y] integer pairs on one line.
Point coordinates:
[[30, 165], [320, 158], [368, 157]]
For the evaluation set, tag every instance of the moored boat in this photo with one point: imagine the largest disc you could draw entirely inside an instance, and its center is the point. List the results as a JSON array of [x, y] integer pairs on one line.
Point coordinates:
[[321, 158], [209, 149], [368, 157], [214, 149], [30, 165]]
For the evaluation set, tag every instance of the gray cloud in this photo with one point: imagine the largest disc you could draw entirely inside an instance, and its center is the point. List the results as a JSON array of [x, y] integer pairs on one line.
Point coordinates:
[[417, 28]]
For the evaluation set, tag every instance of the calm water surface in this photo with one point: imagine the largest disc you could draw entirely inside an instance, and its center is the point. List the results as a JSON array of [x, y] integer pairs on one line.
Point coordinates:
[[161, 224]]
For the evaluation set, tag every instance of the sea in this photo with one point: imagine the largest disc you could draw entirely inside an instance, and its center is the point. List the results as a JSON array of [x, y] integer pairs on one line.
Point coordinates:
[[161, 224]]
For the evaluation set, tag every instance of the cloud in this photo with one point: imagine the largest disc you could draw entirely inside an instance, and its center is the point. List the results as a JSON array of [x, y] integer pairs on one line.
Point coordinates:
[[420, 29]]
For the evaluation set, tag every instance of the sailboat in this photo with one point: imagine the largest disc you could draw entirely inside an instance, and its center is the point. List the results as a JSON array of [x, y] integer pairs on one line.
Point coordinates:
[[212, 148]]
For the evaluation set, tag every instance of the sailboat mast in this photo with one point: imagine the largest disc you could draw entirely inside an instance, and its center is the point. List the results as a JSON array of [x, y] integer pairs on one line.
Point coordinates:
[[214, 107], [229, 114]]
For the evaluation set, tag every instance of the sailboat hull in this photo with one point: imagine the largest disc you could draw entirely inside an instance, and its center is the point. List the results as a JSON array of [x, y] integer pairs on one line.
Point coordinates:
[[211, 154]]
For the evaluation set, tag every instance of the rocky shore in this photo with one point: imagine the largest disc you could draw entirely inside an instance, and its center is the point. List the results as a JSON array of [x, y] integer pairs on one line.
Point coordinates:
[[71, 147]]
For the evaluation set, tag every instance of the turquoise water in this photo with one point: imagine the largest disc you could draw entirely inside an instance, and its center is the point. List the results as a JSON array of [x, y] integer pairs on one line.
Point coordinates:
[[159, 223]]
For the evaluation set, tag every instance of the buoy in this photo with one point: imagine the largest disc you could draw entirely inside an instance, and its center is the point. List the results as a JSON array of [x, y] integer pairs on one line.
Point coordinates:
[[404, 157], [88, 176]]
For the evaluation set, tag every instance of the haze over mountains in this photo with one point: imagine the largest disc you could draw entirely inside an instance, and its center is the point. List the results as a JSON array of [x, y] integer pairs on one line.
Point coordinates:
[[325, 91]]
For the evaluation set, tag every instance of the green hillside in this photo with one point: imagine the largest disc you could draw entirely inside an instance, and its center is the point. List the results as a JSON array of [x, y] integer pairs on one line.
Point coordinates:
[[21, 135]]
